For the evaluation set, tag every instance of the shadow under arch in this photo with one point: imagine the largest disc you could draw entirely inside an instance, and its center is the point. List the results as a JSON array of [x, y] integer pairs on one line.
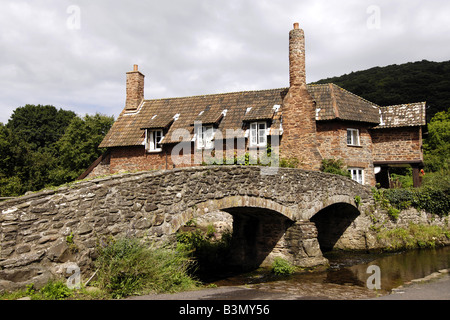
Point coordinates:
[[256, 233], [331, 223]]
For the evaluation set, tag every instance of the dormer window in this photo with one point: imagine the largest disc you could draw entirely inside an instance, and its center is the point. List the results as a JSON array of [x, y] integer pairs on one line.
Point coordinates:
[[153, 141], [205, 135], [258, 135], [353, 137]]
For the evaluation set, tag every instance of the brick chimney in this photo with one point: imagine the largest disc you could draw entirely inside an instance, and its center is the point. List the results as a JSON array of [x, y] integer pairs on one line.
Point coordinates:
[[135, 89], [299, 111]]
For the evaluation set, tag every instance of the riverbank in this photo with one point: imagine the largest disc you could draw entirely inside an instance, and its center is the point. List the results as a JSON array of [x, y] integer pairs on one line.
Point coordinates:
[[433, 287], [344, 280]]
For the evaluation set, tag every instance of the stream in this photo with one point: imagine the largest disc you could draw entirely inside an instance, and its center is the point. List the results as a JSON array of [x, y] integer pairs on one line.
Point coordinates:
[[347, 275]]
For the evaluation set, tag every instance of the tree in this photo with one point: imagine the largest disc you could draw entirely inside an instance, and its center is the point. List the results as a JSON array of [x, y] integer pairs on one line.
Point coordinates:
[[437, 144], [39, 126], [78, 147], [42, 146]]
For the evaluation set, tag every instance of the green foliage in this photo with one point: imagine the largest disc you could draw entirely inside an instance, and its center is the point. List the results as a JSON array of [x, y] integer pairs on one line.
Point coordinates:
[[209, 251], [78, 147], [413, 237], [263, 158], [129, 266], [41, 146], [432, 199], [437, 144], [281, 266], [397, 84], [55, 290], [289, 163], [357, 201], [334, 166], [393, 213], [39, 126]]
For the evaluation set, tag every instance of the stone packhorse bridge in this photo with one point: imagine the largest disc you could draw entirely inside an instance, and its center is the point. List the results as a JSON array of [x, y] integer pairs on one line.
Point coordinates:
[[292, 213]]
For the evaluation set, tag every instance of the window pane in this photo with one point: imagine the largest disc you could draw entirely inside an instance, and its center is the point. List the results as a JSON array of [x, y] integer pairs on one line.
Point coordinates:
[[253, 134], [349, 137], [355, 137]]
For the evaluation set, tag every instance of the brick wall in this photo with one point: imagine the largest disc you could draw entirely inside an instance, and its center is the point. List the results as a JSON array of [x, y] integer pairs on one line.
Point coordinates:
[[397, 144], [135, 89], [136, 159]]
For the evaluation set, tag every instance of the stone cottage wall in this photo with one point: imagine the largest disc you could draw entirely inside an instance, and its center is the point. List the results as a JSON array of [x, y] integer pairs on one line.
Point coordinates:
[[332, 140], [397, 144]]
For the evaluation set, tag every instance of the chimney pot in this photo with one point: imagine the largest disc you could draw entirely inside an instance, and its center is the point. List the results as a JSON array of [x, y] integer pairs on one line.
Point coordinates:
[[135, 68], [296, 26]]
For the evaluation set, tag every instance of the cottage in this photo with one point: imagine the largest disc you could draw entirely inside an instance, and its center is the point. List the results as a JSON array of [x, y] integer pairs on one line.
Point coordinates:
[[303, 122]]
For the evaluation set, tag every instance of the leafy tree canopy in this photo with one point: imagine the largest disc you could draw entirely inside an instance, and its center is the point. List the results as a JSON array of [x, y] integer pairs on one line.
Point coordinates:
[[42, 146]]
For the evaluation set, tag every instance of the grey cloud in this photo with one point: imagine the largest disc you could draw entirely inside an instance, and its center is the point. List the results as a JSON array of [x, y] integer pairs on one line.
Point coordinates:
[[198, 47]]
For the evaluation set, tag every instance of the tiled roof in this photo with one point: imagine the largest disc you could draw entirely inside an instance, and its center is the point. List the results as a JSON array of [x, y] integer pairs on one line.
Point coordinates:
[[403, 115], [126, 131], [337, 103], [233, 110], [160, 121], [262, 112], [210, 115]]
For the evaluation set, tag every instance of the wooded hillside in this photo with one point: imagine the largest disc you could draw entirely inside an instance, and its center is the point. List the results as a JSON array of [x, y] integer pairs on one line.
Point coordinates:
[[397, 84]]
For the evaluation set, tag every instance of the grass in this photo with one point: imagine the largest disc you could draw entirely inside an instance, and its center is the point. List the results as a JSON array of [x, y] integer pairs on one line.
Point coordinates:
[[125, 267], [56, 290], [413, 237], [132, 267]]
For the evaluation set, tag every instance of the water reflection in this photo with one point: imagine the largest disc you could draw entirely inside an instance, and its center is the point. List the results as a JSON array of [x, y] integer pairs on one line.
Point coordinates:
[[346, 278], [398, 268]]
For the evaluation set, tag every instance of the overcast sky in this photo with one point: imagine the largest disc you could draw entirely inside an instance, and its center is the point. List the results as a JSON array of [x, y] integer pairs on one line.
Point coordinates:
[[75, 54]]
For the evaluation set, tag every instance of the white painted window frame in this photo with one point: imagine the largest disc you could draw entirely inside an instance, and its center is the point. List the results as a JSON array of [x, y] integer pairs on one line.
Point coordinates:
[[353, 137], [205, 137], [258, 135], [357, 174], [151, 140]]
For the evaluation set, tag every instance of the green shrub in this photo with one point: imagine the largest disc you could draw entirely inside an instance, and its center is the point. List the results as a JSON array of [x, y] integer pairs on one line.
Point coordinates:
[[55, 290], [281, 266], [393, 213], [431, 199], [335, 167], [413, 237], [129, 266], [208, 251]]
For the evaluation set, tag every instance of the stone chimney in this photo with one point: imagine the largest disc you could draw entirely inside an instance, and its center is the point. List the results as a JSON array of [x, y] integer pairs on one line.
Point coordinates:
[[299, 139], [135, 89], [297, 69]]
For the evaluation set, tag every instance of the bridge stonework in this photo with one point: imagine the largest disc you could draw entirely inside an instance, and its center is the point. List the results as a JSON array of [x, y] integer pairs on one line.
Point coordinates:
[[43, 233]]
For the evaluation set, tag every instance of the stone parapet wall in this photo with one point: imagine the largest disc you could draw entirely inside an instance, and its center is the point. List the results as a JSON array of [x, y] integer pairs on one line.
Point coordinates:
[[41, 232]]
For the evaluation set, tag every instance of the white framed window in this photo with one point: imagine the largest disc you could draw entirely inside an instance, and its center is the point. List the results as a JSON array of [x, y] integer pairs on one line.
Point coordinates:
[[205, 137], [258, 134], [353, 137], [154, 138], [357, 174]]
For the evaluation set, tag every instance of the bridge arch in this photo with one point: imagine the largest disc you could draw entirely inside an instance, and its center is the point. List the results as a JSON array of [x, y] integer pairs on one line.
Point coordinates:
[[332, 222], [258, 228]]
